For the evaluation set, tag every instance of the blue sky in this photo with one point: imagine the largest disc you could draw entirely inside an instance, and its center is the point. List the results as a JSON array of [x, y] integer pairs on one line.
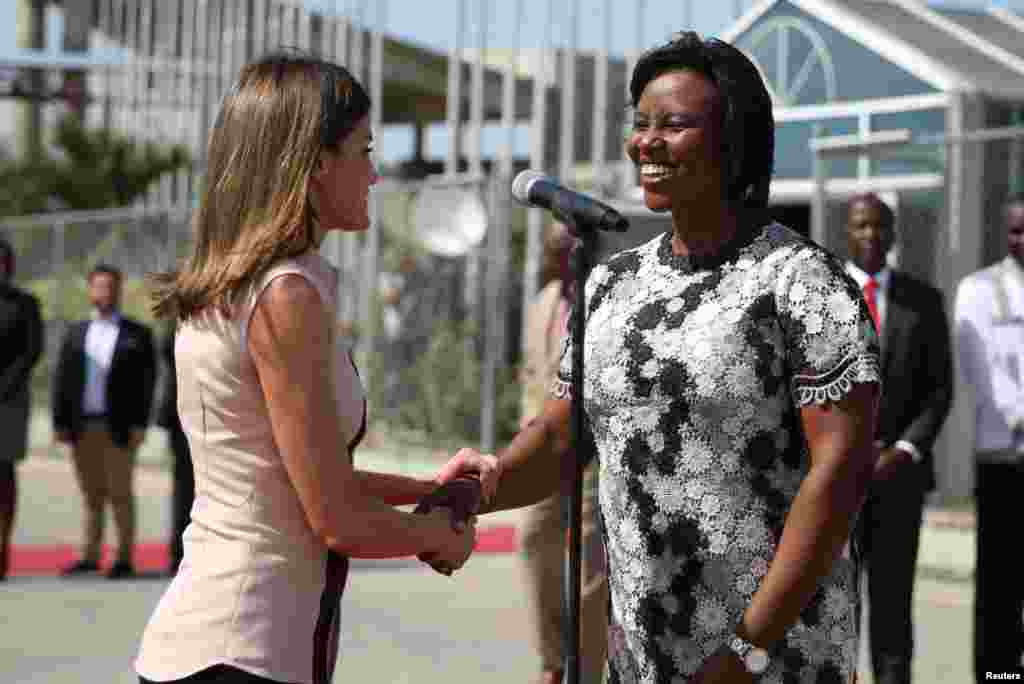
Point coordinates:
[[432, 22]]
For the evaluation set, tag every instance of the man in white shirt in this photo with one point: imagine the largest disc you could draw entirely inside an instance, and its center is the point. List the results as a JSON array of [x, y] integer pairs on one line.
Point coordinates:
[[917, 390], [103, 391], [990, 337]]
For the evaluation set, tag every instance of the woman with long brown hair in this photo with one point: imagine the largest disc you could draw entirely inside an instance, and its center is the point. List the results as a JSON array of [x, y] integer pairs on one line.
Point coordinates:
[[272, 406]]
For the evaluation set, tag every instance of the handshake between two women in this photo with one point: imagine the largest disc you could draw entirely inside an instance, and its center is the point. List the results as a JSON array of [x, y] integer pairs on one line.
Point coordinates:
[[466, 484]]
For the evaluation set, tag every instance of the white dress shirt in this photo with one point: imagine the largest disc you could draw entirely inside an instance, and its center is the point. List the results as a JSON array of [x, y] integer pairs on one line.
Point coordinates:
[[100, 340], [881, 294], [990, 338]]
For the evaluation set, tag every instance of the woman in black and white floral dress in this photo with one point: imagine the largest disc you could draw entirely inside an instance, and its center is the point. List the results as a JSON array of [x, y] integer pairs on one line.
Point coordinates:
[[731, 384]]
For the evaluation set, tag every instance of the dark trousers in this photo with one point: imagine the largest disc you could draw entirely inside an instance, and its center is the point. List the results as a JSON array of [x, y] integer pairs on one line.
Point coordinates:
[[892, 529], [8, 505], [998, 589], [182, 494], [218, 674]]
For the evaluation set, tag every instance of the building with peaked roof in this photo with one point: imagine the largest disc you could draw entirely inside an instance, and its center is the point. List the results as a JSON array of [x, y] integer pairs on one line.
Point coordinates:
[[856, 67]]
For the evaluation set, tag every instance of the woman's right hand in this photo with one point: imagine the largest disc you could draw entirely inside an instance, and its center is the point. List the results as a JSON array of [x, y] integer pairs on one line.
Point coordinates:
[[468, 461], [457, 546]]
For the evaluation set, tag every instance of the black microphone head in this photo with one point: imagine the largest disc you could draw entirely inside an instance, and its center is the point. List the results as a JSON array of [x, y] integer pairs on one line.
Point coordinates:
[[524, 180]]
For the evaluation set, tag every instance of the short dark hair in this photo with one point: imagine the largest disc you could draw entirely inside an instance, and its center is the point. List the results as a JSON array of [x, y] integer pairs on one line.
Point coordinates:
[[886, 212], [106, 269], [1016, 198], [747, 124]]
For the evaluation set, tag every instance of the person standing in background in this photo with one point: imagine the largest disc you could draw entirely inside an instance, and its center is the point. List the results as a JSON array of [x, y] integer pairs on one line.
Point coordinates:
[[917, 390], [543, 527], [183, 480], [21, 345], [102, 395], [990, 336]]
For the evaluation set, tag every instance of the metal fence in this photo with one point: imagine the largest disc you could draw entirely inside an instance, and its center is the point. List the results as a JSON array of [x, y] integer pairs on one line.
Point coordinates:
[[54, 253], [433, 328]]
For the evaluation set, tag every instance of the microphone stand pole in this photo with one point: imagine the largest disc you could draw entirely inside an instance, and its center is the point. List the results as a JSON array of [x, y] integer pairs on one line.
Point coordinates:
[[582, 255]]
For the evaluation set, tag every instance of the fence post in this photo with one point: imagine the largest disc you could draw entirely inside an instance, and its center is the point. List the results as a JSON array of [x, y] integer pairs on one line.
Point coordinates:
[[496, 307], [171, 219], [61, 283], [818, 199]]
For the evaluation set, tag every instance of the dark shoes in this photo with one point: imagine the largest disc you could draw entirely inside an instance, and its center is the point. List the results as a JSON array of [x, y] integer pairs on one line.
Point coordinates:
[[121, 570], [78, 568]]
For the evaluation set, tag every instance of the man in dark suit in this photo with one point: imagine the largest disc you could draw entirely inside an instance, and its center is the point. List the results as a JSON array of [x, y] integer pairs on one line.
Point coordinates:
[[21, 344], [103, 391], [917, 389]]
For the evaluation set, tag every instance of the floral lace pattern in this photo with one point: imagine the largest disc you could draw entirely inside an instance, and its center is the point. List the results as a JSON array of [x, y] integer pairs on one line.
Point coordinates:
[[696, 370]]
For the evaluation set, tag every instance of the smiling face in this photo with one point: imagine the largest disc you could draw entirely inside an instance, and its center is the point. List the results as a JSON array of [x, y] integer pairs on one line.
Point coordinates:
[[675, 141], [341, 183]]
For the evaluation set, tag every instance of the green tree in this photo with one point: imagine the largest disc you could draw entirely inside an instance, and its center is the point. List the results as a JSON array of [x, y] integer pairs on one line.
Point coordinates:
[[93, 169]]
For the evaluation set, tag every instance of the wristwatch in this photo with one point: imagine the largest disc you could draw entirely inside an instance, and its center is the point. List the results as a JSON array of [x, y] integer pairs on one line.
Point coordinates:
[[754, 659], [915, 453]]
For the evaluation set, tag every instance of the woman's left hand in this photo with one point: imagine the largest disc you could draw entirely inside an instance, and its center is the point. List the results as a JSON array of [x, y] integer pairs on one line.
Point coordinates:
[[723, 667]]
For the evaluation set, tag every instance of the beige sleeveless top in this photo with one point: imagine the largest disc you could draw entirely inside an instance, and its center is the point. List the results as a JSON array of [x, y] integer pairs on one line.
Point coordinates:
[[253, 589]]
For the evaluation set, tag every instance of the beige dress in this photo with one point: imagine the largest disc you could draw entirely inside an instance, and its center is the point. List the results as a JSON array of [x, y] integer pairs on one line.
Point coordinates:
[[257, 590]]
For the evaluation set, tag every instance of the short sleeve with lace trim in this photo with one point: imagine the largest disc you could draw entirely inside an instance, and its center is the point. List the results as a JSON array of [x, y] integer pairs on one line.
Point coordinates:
[[829, 339]]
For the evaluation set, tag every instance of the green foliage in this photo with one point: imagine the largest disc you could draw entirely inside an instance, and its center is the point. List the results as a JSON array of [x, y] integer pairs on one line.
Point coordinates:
[[69, 301], [437, 399], [94, 169]]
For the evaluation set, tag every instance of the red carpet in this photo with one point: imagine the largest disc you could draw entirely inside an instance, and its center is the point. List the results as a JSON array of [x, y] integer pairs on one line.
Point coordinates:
[[151, 557]]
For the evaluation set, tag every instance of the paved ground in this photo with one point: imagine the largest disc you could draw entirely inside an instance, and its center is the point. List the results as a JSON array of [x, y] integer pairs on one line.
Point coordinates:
[[401, 625], [401, 622]]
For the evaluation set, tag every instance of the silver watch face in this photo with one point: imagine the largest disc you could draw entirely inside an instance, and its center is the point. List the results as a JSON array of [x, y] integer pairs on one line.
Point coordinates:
[[756, 660], [740, 647]]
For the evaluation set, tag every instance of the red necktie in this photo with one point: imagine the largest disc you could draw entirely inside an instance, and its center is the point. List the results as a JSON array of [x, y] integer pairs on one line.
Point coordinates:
[[871, 297]]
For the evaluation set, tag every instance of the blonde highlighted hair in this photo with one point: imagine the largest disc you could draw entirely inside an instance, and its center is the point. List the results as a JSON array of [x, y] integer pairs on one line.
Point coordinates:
[[272, 126]]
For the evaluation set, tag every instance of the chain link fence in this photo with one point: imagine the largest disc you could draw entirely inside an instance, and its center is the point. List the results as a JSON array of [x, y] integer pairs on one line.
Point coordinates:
[[435, 334]]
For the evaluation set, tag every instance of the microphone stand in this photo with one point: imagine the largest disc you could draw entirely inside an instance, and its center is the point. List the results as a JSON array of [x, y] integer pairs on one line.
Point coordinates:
[[582, 255]]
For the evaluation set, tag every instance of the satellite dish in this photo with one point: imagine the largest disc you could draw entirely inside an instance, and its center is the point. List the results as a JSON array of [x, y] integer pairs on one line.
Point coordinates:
[[447, 220]]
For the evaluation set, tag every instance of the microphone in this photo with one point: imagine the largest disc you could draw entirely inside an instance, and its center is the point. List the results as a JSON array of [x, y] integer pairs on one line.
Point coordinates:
[[577, 211]]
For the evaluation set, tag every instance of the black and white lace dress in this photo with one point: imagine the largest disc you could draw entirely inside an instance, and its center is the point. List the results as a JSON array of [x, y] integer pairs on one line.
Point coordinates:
[[695, 373]]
